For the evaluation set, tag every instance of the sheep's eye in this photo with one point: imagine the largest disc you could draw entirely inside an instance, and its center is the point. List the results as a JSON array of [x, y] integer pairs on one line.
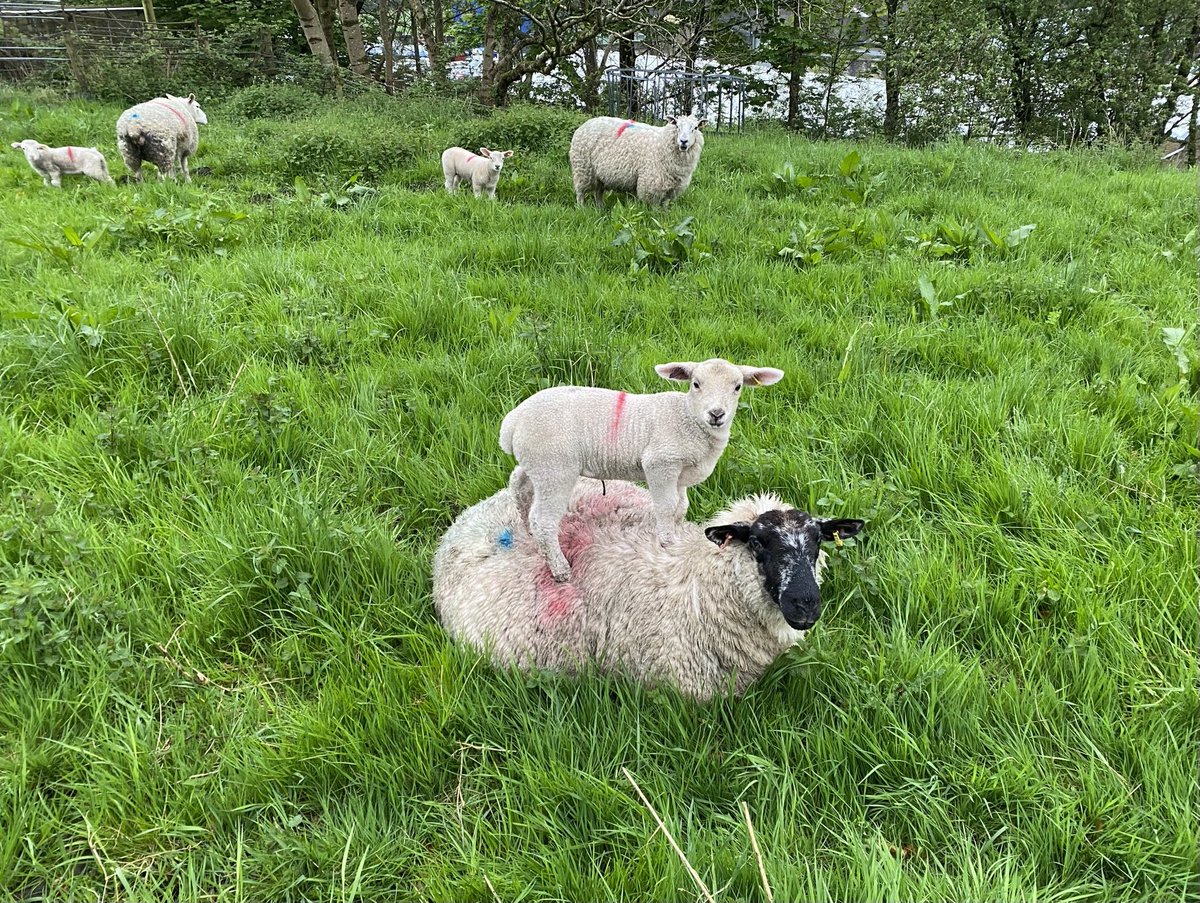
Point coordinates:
[[738, 387], [754, 544], [695, 384]]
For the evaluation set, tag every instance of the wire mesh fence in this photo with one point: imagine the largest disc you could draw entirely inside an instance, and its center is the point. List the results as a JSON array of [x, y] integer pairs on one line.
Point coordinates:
[[659, 94]]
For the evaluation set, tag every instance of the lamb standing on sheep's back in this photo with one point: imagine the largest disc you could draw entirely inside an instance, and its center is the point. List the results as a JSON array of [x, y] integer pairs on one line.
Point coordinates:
[[163, 131], [655, 163], [709, 612], [672, 440]]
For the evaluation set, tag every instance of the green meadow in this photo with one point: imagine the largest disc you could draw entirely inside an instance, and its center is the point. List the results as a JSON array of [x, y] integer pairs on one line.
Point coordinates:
[[237, 415]]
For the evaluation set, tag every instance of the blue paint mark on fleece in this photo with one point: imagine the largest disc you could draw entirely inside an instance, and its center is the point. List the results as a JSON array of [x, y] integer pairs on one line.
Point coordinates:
[[135, 115], [505, 539]]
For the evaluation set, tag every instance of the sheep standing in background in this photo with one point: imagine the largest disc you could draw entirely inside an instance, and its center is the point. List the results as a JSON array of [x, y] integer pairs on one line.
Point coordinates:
[[52, 163], [482, 170], [163, 131], [711, 611], [672, 440], [655, 163]]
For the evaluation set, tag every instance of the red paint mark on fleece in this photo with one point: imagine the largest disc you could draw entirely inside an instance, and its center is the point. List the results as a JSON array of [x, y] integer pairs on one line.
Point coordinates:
[[624, 125], [558, 599], [178, 115], [470, 157], [615, 426], [71, 154]]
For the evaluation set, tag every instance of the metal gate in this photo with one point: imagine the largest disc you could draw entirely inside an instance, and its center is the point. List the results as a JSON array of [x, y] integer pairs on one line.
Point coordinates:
[[659, 94]]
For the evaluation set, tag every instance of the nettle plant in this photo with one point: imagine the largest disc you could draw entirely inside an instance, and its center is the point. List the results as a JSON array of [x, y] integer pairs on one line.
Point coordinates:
[[658, 249]]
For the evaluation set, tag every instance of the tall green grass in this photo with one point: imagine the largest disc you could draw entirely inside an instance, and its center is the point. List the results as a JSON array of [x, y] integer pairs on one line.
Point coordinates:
[[235, 419]]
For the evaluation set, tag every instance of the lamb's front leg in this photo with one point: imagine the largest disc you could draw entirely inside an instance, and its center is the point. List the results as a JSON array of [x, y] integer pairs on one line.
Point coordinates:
[[681, 506], [664, 490]]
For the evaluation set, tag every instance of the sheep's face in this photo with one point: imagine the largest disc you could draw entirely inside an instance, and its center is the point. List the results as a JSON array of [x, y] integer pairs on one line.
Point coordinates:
[[194, 105], [687, 131], [495, 158], [787, 547], [716, 386]]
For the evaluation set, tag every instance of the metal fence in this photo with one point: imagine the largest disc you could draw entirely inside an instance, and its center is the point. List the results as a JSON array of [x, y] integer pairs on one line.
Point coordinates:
[[660, 94]]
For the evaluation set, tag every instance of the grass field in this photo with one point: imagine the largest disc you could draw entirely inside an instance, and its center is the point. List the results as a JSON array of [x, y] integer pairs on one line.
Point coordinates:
[[236, 416]]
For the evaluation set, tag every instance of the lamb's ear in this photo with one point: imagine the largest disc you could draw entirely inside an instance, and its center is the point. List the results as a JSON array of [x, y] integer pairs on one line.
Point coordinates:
[[16, 144], [507, 154], [725, 532], [191, 98], [761, 376], [485, 152], [844, 528], [681, 372]]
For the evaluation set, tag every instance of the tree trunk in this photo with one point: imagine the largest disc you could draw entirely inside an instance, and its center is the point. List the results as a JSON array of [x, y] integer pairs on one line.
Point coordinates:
[[327, 14], [488, 63], [266, 51], [793, 108], [423, 27], [356, 52], [388, 36], [416, 47], [627, 51], [314, 34], [1191, 136], [891, 109], [439, 24]]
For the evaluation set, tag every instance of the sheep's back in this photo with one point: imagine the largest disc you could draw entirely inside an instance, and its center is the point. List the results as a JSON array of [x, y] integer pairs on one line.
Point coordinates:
[[160, 117]]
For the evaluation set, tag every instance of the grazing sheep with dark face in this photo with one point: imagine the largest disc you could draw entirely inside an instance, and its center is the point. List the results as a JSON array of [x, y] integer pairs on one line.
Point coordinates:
[[711, 611]]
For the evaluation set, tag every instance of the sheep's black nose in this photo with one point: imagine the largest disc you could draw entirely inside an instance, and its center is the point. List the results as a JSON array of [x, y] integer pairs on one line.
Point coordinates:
[[715, 416]]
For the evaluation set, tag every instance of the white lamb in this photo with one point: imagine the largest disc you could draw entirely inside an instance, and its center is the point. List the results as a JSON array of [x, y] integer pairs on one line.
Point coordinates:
[[482, 170], [708, 613], [655, 163], [52, 163], [672, 440]]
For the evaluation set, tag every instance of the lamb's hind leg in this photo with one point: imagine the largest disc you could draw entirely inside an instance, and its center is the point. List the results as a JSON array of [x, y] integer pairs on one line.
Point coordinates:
[[550, 501], [522, 489]]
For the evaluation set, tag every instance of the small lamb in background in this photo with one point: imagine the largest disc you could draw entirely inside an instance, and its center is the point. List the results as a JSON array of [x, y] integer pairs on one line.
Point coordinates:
[[52, 163], [708, 613], [672, 440], [482, 170]]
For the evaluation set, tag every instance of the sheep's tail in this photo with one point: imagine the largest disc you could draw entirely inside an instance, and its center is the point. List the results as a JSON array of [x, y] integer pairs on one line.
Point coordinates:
[[508, 426], [134, 132]]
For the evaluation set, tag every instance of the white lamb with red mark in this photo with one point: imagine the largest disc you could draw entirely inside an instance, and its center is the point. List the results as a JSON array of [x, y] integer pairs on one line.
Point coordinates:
[[52, 163], [482, 170], [706, 614], [164, 132], [671, 440], [655, 163]]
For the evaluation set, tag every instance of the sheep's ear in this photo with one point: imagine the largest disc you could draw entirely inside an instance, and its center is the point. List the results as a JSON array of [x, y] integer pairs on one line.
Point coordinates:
[[671, 120], [507, 154], [701, 124], [839, 528], [16, 144], [761, 376], [191, 98], [681, 372], [485, 151], [723, 533]]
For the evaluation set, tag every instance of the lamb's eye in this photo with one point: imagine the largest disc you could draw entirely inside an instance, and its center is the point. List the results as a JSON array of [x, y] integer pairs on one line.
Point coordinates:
[[738, 387], [754, 545], [695, 384]]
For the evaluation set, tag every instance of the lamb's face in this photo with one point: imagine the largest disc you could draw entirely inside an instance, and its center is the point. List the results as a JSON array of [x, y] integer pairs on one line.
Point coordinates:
[[787, 548], [495, 158], [30, 147], [715, 388], [687, 131]]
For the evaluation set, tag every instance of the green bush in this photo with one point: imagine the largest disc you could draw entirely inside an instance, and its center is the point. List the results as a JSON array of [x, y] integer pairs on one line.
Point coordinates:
[[527, 128], [271, 99], [339, 148]]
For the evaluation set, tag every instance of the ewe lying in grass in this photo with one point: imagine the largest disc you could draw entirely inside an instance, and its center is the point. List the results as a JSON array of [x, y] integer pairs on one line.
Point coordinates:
[[710, 611]]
